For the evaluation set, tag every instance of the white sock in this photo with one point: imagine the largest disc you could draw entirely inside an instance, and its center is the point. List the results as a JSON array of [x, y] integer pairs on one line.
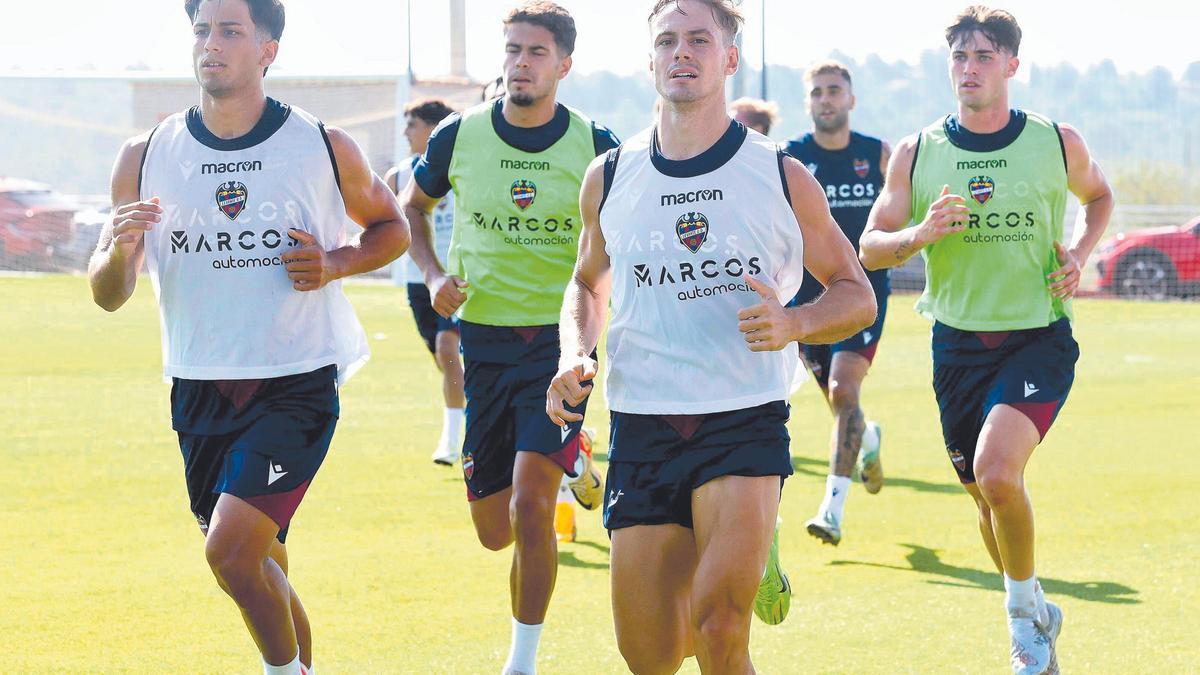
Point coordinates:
[[870, 437], [564, 491], [1021, 597], [452, 422], [836, 489], [522, 654], [290, 668]]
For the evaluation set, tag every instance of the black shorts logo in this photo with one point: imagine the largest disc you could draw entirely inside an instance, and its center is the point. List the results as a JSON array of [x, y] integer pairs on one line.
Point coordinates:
[[231, 198]]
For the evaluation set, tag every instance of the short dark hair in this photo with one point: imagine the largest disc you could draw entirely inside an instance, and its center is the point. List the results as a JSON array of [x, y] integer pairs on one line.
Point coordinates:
[[760, 113], [996, 25], [829, 67], [726, 12], [550, 16], [267, 15], [429, 110]]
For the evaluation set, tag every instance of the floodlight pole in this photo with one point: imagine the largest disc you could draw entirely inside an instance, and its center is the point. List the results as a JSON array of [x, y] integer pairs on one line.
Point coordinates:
[[763, 44]]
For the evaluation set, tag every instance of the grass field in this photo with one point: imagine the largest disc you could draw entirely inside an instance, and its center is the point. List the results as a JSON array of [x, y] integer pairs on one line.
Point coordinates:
[[103, 568]]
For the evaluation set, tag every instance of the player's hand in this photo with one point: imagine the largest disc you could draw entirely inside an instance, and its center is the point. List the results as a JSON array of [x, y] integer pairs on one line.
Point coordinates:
[[568, 388], [947, 215], [766, 326], [131, 222], [1064, 281], [446, 294], [308, 266]]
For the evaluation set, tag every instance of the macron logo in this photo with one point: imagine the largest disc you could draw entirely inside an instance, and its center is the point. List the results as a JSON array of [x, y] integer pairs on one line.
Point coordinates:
[[274, 472], [1030, 389], [564, 431]]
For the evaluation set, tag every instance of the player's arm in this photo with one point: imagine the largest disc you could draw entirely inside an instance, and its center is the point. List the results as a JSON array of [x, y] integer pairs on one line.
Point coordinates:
[[848, 304], [113, 268], [391, 179], [885, 157], [1087, 182], [584, 306], [887, 240], [445, 290], [370, 204]]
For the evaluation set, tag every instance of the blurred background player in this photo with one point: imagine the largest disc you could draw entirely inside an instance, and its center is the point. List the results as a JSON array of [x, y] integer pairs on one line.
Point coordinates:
[[755, 113], [439, 333], [999, 284], [515, 165], [850, 166], [257, 336], [700, 355]]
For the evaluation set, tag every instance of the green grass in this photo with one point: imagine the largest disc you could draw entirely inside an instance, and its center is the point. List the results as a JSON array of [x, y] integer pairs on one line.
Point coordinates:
[[103, 568]]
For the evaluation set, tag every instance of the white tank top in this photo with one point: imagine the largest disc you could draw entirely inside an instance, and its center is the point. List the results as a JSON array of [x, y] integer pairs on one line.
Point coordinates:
[[227, 307], [404, 271], [680, 236]]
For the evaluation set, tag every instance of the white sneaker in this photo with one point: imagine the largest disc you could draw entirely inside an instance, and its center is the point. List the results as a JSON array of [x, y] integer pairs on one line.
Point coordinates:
[[825, 527], [1031, 647], [1052, 628], [445, 455]]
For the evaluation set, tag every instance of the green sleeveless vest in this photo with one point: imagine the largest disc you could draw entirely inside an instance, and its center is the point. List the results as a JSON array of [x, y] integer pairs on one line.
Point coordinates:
[[992, 275], [516, 220]]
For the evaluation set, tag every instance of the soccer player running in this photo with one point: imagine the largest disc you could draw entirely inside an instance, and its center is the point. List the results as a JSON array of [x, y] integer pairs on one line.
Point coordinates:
[[986, 190], [850, 166], [439, 333], [237, 208], [515, 165], [694, 229]]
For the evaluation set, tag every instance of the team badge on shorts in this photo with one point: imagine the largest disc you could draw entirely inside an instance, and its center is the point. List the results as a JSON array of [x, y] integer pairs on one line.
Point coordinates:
[[468, 465], [231, 198], [957, 458], [692, 230], [862, 167], [981, 188], [523, 193]]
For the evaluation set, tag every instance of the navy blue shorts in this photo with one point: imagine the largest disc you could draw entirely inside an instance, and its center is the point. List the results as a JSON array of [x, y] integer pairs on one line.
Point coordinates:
[[1031, 370], [507, 373], [819, 358], [260, 440], [429, 322], [656, 461]]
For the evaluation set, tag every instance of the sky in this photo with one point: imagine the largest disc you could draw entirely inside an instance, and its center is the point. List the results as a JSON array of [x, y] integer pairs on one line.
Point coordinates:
[[368, 36]]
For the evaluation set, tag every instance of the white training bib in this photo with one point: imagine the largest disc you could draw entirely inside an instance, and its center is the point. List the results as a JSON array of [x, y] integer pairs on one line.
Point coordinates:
[[227, 307], [680, 236], [404, 270]]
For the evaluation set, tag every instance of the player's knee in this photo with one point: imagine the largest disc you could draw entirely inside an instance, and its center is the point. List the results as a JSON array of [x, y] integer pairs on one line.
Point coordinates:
[[531, 513], [999, 486], [843, 395], [495, 539], [721, 627], [234, 573], [650, 659]]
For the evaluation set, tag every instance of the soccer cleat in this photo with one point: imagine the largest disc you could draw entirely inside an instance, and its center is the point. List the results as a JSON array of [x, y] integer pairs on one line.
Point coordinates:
[[825, 527], [1052, 628], [588, 487], [869, 467], [445, 455], [774, 595], [1031, 647]]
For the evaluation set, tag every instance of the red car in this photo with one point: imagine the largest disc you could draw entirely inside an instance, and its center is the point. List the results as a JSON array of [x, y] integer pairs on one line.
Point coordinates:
[[36, 225], [1152, 263]]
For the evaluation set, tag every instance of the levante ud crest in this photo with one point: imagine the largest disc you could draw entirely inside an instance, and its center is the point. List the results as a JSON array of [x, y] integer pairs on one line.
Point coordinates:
[[982, 188], [692, 230], [523, 193], [862, 167], [231, 198]]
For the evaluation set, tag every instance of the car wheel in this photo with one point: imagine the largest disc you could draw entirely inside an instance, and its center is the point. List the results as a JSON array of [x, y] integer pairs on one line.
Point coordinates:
[[1145, 274]]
